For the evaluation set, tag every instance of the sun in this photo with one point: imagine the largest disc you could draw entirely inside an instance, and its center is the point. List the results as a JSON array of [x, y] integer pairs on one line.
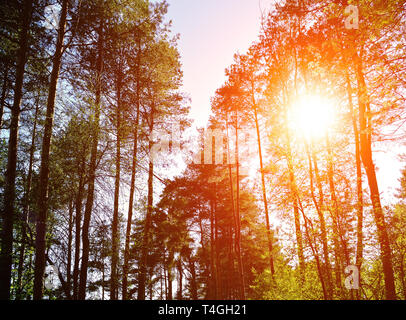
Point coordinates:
[[311, 116]]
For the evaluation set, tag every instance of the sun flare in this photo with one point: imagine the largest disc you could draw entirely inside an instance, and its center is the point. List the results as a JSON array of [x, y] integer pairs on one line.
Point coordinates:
[[311, 116]]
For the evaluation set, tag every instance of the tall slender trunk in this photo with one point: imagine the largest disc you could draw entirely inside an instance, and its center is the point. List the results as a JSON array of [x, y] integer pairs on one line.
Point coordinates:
[[360, 201], [238, 226], [334, 212], [213, 278], [234, 218], [193, 282], [314, 252], [169, 271], [165, 282], [115, 237], [335, 233], [4, 92], [319, 207], [341, 247], [26, 207], [132, 186], [9, 189], [92, 167], [230, 273], [264, 197], [295, 196], [216, 245], [44, 171], [365, 127], [147, 223], [69, 258], [78, 220], [180, 284]]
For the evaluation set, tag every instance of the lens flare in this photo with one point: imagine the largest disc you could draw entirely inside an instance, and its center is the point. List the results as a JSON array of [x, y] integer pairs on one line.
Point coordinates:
[[311, 116]]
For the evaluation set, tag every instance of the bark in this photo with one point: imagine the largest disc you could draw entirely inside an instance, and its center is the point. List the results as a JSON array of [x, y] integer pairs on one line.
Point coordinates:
[[4, 93], [335, 237], [264, 197], [78, 220], [230, 175], [360, 201], [115, 237], [26, 207], [193, 282], [44, 171], [238, 218], [92, 168], [365, 127], [147, 223], [294, 192], [216, 245], [9, 188], [169, 276], [314, 252], [180, 284], [340, 244], [213, 278], [319, 207], [69, 258], [132, 186]]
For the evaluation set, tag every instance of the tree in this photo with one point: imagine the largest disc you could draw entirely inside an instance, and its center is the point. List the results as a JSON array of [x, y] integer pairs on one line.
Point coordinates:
[[46, 144], [9, 194]]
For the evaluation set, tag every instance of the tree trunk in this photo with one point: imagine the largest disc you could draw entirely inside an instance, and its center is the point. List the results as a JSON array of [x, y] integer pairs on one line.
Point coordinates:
[[78, 220], [213, 278], [234, 218], [147, 223], [319, 207], [193, 283], [44, 171], [69, 258], [4, 93], [217, 246], [170, 259], [360, 201], [315, 253], [365, 127], [180, 284], [9, 189], [342, 254], [26, 207], [294, 192], [92, 167], [264, 197], [132, 186], [238, 226], [115, 237]]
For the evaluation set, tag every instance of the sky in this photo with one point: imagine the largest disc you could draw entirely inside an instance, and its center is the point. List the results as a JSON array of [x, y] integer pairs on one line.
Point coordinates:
[[211, 32]]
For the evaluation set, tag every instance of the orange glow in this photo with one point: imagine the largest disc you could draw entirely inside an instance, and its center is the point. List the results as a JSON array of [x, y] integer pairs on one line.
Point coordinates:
[[311, 116]]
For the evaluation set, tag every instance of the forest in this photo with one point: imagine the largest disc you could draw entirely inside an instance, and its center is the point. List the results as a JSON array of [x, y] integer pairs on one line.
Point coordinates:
[[110, 192]]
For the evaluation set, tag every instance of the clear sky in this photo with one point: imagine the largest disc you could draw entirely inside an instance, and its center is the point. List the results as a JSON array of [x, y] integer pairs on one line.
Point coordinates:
[[211, 32]]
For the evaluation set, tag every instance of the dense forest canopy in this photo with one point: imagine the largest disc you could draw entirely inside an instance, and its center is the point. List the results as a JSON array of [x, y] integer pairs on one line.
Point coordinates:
[[278, 197]]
